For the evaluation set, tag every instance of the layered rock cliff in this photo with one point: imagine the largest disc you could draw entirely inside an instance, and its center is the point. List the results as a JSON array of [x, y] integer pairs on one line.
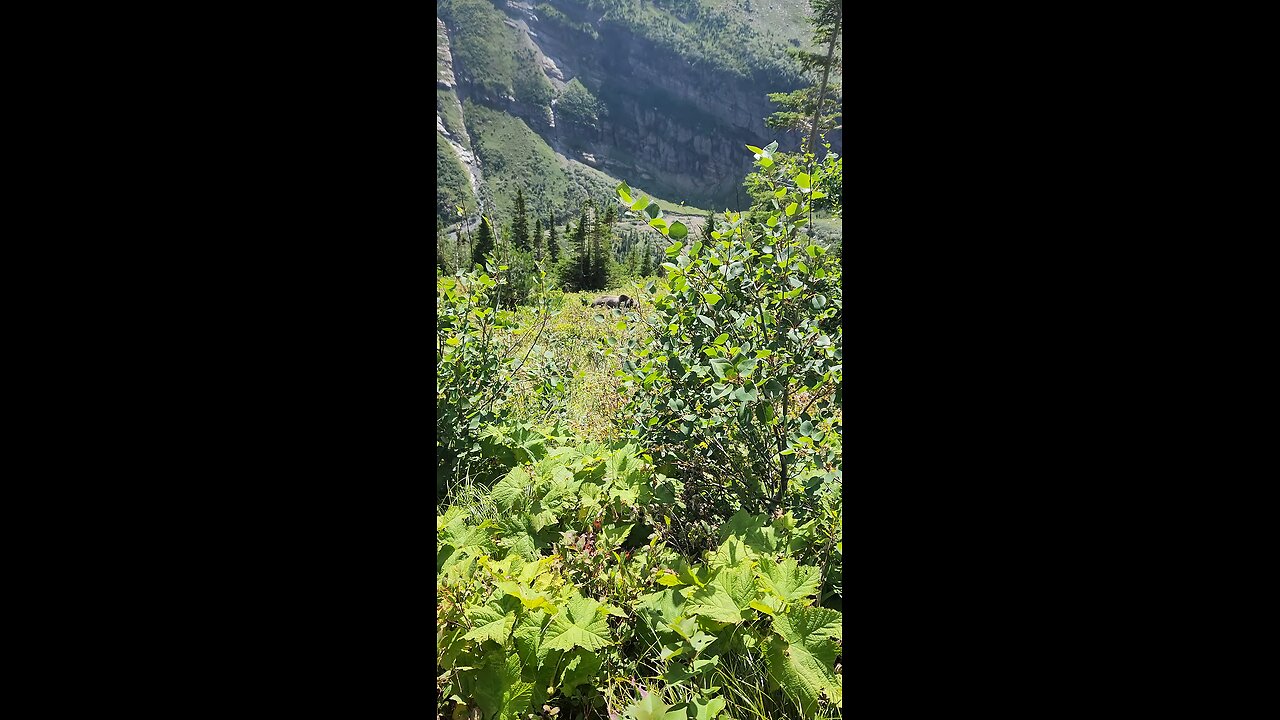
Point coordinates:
[[678, 125]]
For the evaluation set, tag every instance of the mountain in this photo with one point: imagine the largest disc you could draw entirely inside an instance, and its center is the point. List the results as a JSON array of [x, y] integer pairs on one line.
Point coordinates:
[[566, 97]]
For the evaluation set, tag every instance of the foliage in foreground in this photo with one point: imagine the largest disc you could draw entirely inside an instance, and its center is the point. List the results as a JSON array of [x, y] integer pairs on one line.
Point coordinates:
[[739, 391], [557, 590]]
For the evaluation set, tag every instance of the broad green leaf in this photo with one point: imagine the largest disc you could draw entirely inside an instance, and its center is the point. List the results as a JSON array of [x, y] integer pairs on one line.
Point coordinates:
[[755, 150], [530, 642], [803, 622], [721, 338], [685, 627], [579, 625], [711, 298], [654, 210], [660, 609], [771, 147], [499, 691], [802, 659], [611, 536], [727, 596], [669, 579], [678, 230], [700, 641], [709, 710], [528, 597], [802, 180], [720, 366], [580, 670], [789, 580], [624, 192], [791, 209], [493, 620], [651, 707], [508, 493]]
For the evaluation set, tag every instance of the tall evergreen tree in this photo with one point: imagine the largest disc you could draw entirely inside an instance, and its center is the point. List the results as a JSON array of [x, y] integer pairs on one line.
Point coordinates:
[[598, 273], [484, 243], [646, 258], [582, 253], [815, 108], [537, 240], [708, 227], [553, 245], [520, 225]]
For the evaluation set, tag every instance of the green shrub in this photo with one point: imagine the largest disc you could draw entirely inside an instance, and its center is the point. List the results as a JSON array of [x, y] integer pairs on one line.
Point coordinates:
[[739, 391]]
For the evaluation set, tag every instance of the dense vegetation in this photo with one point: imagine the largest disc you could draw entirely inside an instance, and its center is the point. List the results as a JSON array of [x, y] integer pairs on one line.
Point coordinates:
[[638, 510], [709, 35]]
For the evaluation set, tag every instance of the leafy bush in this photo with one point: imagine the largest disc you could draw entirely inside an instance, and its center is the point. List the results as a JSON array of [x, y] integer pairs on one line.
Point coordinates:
[[739, 391], [477, 378], [557, 586]]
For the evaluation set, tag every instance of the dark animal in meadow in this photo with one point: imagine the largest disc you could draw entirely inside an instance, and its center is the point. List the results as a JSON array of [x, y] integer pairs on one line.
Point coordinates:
[[614, 301]]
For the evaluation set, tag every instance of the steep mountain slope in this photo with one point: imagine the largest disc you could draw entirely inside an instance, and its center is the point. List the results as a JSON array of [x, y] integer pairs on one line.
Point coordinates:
[[662, 93]]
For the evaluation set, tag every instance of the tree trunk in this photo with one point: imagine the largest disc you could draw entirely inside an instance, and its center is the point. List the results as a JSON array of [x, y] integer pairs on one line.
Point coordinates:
[[822, 89]]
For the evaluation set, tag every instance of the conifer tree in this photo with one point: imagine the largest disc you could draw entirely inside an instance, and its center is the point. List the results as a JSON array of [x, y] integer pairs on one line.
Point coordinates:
[[553, 245], [598, 272], [537, 240], [484, 243], [520, 225], [646, 258], [708, 227], [582, 253]]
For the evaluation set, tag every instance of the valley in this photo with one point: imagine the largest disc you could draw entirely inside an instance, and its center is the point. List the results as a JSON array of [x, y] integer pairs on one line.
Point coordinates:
[[565, 98]]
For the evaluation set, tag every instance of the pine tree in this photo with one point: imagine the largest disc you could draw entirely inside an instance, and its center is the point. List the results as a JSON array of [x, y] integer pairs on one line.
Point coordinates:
[[646, 259], [708, 227], [537, 240], [553, 245], [817, 107], [582, 253], [484, 243], [598, 273], [520, 225]]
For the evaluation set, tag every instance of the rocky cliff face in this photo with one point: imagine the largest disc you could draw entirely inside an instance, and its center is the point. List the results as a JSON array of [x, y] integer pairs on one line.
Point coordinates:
[[678, 128]]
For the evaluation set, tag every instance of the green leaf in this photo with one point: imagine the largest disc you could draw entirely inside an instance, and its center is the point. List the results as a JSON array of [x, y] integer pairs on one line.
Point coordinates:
[[789, 580], [580, 625], [508, 493], [624, 192], [719, 366], [755, 150], [499, 691], [722, 337], [709, 710], [802, 180], [611, 536], [727, 596], [673, 250], [678, 230], [580, 670], [771, 147], [707, 321], [711, 298], [493, 621], [651, 707], [654, 210], [802, 658], [791, 209]]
